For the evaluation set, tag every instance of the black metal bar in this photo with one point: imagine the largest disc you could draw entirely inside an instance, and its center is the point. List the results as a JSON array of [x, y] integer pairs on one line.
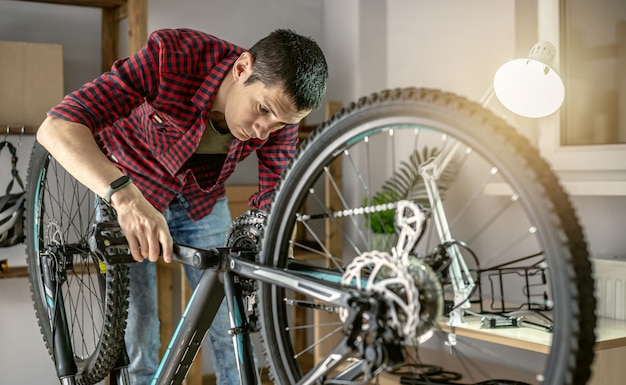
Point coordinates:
[[62, 345], [198, 258], [240, 330], [191, 330], [502, 304], [320, 289]]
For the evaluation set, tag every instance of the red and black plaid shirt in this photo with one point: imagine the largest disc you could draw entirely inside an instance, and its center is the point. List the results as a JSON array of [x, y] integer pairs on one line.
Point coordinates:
[[149, 113]]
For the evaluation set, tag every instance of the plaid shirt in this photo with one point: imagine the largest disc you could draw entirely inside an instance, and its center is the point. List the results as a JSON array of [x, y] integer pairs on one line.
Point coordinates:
[[150, 111]]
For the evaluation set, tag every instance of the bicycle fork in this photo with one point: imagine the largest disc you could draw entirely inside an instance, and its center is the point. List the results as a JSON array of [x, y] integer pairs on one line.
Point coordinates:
[[53, 277], [62, 346]]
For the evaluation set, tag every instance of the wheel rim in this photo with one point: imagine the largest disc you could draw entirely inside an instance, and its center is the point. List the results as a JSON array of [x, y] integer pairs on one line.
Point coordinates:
[[65, 224], [94, 295], [374, 125]]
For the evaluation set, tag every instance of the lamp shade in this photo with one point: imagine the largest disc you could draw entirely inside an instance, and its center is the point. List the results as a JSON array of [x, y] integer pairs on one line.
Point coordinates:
[[531, 87]]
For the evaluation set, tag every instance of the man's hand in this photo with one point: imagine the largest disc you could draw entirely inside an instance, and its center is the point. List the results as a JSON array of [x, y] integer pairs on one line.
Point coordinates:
[[144, 226]]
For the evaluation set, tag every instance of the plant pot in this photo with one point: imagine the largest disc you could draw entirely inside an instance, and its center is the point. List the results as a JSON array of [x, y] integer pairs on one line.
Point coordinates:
[[383, 241]]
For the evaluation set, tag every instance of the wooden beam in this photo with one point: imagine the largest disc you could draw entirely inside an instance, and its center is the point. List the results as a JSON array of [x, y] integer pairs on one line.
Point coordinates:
[[334, 240], [15, 272], [110, 38], [121, 12], [334, 244], [14, 129], [84, 3], [137, 25]]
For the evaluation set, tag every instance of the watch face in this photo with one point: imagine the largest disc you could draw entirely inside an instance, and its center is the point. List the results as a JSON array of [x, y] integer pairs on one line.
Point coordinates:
[[119, 182]]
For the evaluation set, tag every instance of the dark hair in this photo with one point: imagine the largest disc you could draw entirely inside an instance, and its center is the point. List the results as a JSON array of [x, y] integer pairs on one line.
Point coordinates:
[[284, 58]]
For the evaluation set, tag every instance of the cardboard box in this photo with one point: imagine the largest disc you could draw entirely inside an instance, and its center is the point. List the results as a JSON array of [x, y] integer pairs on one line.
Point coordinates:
[[31, 82]]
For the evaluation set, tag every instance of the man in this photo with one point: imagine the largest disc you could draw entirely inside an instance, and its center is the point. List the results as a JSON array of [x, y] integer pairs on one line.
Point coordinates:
[[173, 121]]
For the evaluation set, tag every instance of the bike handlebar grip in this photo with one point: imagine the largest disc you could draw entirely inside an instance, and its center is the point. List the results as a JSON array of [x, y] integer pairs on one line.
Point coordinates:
[[198, 258]]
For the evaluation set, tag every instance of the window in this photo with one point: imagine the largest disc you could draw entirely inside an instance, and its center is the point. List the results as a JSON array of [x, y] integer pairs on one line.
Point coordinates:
[[587, 139]]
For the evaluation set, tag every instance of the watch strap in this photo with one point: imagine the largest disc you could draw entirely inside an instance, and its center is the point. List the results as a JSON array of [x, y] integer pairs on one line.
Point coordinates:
[[116, 185]]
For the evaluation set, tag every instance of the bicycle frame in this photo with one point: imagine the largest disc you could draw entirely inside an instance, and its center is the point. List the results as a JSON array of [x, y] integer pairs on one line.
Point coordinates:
[[203, 306], [300, 277], [462, 281]]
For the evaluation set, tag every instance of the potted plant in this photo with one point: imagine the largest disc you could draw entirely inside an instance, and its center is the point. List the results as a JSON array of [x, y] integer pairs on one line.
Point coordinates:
[[405, 183]]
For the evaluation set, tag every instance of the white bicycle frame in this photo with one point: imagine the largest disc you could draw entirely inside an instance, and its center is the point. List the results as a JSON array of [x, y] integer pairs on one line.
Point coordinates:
[[462, 281]]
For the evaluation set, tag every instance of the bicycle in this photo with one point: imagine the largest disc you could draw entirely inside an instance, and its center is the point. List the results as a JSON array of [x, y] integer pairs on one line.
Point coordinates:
[[376, 310]]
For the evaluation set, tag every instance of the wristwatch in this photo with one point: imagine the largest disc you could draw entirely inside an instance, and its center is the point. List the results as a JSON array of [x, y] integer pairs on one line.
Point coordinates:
[[116, 185]]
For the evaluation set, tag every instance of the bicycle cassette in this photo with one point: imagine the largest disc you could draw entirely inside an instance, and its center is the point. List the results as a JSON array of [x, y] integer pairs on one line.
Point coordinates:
[[246, 230]]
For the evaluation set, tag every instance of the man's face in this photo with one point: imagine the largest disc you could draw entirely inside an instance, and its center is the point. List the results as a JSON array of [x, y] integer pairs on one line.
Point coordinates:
[[253, 111]]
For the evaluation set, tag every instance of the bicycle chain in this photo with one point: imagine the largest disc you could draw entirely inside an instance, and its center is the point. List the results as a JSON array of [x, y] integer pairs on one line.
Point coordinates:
[[349, 212], [245, 234]]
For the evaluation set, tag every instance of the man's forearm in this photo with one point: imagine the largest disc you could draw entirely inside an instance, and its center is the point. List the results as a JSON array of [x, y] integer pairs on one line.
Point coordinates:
[[74, 147]]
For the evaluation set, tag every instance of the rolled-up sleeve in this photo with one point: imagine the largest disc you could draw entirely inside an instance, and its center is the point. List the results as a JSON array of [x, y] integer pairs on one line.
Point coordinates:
[[116, 93]]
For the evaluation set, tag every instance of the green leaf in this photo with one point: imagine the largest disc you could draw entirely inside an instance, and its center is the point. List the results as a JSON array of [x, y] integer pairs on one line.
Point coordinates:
[[406, 183]]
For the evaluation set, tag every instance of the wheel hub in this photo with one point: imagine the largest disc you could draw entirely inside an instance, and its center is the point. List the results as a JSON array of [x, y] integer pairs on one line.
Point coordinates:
[[412, 294]]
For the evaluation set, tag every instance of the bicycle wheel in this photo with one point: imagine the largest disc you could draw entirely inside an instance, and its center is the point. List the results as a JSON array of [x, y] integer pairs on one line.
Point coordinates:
[[498, 208], [59, 215]]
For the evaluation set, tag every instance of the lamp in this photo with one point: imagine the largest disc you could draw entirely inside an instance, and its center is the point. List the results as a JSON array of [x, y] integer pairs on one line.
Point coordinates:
[[531, 87]]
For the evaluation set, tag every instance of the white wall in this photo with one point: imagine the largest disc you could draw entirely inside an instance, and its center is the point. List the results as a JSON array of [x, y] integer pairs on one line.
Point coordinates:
[[370, 45], [452, 45]]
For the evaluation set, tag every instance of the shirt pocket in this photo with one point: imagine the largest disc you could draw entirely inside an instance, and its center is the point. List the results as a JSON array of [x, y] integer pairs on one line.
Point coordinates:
[[161, 134]]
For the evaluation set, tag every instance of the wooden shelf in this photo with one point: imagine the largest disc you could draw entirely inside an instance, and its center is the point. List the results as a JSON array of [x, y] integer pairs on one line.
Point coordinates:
[[523, 338], [610, 334], [87, 3], [610, 347], [11, 129], [15, 272], [22, 271]]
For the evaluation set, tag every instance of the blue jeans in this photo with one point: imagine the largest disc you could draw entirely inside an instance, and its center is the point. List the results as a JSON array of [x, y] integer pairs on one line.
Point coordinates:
[[142, 330]]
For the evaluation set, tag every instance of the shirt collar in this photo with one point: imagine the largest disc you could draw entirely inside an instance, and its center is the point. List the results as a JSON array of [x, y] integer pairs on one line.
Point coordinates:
[[206, 92]]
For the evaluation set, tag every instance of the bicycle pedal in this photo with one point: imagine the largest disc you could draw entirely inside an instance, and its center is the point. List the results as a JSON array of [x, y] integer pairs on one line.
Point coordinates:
[[107, 241]]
